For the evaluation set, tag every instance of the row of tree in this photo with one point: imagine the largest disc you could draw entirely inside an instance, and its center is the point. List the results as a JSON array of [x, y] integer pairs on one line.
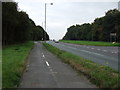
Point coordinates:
[[106, 28], [17, 27]]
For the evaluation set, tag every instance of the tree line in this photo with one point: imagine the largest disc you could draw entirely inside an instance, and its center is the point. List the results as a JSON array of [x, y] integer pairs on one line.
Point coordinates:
[[17, 27], [106, 28]]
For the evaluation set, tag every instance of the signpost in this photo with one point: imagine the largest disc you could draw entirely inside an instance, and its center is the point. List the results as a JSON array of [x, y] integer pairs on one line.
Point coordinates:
[[111, 37]]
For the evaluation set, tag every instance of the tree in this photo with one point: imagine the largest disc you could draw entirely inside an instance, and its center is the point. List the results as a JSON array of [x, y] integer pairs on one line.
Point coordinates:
[[99, 30], [18, 27]]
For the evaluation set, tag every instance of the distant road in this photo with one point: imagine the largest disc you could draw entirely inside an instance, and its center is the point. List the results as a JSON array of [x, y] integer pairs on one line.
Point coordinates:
[[104, 55]]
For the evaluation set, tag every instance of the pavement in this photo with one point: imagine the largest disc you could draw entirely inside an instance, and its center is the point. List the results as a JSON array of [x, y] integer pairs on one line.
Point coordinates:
[[104, 55], [45, 70]]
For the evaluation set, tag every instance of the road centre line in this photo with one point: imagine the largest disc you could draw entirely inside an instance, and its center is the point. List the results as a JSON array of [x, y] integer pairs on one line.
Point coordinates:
[[88, 51], [43, 55], [92, 52], [98, 49], [104, 50], [47, 63], [35, 42]]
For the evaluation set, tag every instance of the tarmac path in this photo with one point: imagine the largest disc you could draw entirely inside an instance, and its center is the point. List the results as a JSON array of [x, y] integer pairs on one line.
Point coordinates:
[[45, 70]]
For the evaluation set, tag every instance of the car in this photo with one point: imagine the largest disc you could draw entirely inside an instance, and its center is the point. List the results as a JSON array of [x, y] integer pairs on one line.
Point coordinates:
[[56, 41]]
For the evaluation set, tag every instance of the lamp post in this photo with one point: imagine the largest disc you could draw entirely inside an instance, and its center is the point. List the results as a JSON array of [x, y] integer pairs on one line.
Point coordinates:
[[45, 18]]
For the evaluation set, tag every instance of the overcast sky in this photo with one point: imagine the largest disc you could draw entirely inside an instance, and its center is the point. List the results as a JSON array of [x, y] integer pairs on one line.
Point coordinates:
[[64, 13]]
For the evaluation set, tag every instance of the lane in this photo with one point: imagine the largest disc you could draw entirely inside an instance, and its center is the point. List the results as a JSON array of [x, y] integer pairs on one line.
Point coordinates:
[[45, 70], [100, 54]]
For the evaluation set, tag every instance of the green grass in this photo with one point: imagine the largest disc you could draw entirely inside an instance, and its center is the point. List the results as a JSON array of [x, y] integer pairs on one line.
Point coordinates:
[[102, 76], [94, 43], [14, 58]]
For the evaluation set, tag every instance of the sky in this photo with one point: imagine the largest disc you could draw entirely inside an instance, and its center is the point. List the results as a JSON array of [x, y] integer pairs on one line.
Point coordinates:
[[64, 13]]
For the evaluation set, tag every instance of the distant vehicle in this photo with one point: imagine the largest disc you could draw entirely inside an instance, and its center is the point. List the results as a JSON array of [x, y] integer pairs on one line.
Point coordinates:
[[53, 40], [56, 41]]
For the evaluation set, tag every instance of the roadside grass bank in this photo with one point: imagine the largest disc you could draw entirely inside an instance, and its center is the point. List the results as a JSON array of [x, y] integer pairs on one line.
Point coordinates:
[[93, 43], [102, 76], [14, 58]]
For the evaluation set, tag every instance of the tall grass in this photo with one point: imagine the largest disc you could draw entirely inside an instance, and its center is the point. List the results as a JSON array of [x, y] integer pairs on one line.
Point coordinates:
[[102, 76], [13, 60]]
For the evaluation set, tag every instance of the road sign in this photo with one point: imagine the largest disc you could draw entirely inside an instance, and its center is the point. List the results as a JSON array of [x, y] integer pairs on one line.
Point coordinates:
[[112, 34]]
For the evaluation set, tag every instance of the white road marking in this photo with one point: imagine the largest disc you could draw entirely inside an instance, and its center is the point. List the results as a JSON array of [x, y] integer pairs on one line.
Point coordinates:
[[72, 48], [47, 64], [87, 47], [92, 48], [43, 55], [98, 49], [104, 50], [35, 42], [92, 52], [115, 52]]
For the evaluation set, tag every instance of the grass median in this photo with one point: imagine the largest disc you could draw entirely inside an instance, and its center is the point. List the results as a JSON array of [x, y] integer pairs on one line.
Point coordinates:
[[94, 43], [102, 76], [13, 63]]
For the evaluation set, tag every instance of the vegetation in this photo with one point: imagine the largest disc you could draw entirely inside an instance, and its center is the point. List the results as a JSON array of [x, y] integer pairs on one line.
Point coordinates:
[[99, 30], [102, 76], [17, 26], [94, 43], [13, 63]]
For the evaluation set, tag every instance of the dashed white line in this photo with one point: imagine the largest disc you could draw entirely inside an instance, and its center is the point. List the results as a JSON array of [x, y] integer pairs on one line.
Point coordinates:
[[47, 63], [98, 49], [92, 52], [87, 47], [92, 48], [35, 42], [104, 50], [72, 48], [43, 55], [114, 52]]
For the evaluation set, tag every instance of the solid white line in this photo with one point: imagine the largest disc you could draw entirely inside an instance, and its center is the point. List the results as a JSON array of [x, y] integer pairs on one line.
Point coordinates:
[[47, 64]]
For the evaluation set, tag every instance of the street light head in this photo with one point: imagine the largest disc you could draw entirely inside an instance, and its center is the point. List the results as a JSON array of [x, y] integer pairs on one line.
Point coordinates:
[[51, 3]]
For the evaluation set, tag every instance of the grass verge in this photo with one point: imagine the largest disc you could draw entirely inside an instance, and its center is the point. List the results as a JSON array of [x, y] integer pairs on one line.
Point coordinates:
[[102, 76], [13, 63], [94, 43]]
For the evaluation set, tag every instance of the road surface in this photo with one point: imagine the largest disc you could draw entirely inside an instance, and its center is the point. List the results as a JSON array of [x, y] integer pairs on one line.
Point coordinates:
[[100, 54], [45, 70]]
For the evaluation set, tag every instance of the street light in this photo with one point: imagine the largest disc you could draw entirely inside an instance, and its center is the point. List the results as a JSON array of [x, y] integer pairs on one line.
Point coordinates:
[[45, 18]]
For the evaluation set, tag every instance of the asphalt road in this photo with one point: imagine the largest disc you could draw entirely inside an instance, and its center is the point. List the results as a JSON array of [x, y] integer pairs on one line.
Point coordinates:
[[45, 70], [104, 55]]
